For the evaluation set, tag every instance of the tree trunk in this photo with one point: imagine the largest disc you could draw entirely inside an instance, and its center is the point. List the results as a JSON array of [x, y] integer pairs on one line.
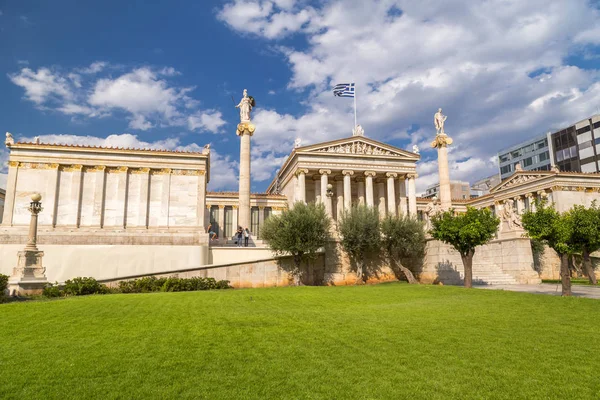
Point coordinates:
[[359, 271], [565, 275], [587, 267], [407, 272], [468, 267], [297, 263]]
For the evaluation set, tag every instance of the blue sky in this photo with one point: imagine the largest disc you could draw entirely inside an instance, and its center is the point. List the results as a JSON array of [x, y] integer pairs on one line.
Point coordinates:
[[162, 75]]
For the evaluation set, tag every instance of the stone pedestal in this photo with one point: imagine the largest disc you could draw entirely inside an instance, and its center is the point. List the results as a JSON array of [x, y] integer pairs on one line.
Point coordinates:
[[29, 276], [441, 142], [245, 130]]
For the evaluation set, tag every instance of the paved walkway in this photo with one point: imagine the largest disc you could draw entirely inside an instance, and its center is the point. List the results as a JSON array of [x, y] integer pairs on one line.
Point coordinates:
[[592, 292]]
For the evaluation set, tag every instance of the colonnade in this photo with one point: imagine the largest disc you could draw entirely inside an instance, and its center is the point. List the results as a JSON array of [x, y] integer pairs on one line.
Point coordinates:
[[390, 192]]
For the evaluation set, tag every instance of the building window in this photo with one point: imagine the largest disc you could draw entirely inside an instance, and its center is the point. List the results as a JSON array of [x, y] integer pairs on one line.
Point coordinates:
[[585, 145], [516, 154], [528, 149], [505, 170], [527, 162], [544, 156], [583, 130], [541, 144], [504, 158]]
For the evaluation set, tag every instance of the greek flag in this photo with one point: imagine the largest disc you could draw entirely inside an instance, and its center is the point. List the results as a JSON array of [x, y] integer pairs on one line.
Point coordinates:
[[344, 90]]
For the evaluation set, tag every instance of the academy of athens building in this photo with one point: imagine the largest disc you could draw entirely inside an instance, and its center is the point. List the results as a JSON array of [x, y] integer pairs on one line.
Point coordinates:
[[114, 213]]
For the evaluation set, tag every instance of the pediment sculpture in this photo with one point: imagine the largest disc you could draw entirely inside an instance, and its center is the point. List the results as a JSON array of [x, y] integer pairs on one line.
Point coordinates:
[[357, 148]]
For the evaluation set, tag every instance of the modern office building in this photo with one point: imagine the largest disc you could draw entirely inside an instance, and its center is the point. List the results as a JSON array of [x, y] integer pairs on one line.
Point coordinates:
[[459, 190], [577, 147], [483, 186], [532, 155]]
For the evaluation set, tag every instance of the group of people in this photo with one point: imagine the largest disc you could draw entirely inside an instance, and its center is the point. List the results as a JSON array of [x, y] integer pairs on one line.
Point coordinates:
[[242, 236]]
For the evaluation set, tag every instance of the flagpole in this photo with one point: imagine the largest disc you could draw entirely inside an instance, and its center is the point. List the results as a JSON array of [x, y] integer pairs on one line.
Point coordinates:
[[354, 106]]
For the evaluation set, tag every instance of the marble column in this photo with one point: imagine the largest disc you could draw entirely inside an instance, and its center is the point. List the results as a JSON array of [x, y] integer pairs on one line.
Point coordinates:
[[361, 191], [201, 199], [339, 203], [11, 191], [221, 233], [261, 221], [381, 198], [245, 130], [234, 218], [317, 185], [76, 192], [520, 205], [324, 198], [347, 188], [391, 192], [402, 206], [531, 201], [99, 195], [301, 173], [412, 196], [369, 175], [441, 142], [53, 193]]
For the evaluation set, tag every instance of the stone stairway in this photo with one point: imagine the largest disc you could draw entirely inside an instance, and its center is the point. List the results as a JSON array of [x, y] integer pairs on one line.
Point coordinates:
[[490, 274]]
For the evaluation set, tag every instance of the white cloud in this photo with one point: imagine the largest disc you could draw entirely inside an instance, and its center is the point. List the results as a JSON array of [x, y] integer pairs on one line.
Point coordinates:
[[210, 120], [41, 85], [479, 60], [147, 96]]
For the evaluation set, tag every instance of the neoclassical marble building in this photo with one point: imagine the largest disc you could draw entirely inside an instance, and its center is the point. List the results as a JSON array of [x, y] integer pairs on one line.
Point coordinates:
[[115, 213]]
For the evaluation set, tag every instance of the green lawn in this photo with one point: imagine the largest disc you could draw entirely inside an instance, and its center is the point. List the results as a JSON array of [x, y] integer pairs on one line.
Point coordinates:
[[385, 341]]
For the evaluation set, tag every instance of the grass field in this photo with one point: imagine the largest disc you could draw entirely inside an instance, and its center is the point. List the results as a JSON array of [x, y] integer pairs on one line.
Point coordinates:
[[574, 281], [386, 341]]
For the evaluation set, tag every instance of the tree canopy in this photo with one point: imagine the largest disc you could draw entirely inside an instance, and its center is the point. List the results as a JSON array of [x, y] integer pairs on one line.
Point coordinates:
[[556, 230], [586, 234], [465, 232], [403, 238], [359, 234], [300, 231]]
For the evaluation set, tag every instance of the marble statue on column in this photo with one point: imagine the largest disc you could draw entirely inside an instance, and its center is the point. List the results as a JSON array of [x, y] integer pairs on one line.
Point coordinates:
[[358, 131], [415, 149], [438, 120], [245, 106]]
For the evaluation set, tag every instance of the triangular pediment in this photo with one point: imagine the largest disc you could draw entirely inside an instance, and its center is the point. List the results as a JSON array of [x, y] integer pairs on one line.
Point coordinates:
[[519, 178], [357, 145]]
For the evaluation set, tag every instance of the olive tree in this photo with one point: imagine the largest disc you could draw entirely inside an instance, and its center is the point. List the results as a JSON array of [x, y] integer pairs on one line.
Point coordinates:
[[402, 238], [465, 232], [586, 235], [359, 235], [556, 230], [300, 231]]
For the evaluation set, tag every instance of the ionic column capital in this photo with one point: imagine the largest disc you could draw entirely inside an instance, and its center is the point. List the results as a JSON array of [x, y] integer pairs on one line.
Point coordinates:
[[325, 171], [347, 172], [301, 171], [411, 176], [221, 206], [261, 208], [370, 173], [391, 174]]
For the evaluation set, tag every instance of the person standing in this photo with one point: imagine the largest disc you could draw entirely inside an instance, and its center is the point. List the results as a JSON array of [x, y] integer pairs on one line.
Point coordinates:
[[246, 237], [239, 233]]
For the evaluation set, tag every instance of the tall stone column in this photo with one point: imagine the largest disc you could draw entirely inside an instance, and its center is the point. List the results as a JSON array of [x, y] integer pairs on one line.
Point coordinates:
[[402, 206], [347, 188], [245, 130], [301, 173], [369, 175], [441, 142], [221, 222], [339, 203], [324, 182], [391, 192], [234, 218], [11, 191], [412, 195], [520, 205], [381, 198], [531, 201]]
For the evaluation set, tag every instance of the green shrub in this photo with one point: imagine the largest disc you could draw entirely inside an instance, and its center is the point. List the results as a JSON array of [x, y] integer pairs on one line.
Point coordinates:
[[51, 290], [82, 286], [3, 286], [171, 284]]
